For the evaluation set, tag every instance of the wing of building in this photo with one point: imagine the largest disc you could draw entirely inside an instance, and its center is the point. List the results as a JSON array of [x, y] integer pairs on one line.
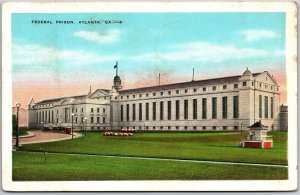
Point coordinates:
[[227, 103]]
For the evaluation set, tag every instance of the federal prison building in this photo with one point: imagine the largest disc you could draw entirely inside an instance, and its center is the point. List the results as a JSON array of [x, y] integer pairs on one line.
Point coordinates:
[[225, 103]]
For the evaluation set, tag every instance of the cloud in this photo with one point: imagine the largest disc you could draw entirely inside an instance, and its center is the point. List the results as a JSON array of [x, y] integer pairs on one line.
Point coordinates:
[[33, 54], [99, 37], [202, 52], [279, 52], [255, 34]]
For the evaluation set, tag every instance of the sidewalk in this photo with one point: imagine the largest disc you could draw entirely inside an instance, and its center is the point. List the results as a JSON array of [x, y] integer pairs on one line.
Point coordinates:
[[39, 136]]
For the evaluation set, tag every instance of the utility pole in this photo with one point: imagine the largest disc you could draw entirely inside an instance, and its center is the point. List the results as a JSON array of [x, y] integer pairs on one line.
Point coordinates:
[[193, 75], [159, 79]]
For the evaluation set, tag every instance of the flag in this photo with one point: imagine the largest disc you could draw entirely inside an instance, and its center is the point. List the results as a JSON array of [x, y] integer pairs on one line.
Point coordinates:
[[116, 66]]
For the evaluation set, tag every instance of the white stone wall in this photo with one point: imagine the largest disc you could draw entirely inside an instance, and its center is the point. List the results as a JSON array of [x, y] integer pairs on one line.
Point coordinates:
[[248, 91]]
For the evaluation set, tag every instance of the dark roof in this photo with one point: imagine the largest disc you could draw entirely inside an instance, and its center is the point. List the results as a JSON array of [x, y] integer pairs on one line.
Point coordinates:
[[213, 81], [58, 99], [258, 126], [283, 108]]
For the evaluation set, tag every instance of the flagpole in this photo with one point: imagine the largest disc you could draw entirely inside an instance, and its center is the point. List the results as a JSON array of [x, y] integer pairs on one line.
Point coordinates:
[[117, 68]]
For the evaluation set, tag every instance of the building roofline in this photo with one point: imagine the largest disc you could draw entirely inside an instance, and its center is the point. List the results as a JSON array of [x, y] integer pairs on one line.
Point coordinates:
[[184, 84]]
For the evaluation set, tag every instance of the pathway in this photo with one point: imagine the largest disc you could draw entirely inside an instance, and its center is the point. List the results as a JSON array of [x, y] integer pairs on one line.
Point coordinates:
[[41, 136]]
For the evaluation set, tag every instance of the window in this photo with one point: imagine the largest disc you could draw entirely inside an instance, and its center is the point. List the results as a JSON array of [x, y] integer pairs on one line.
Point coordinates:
[[214, 107], [161, 127], [76, 110], [224, 106], [154, 111], [103, 120], [266, 107], [177, 91], [177, 109], [260, 85], [127, 112], [133, 112], [214, 88], [186, 109], [92, 109], [147, 94], [185, 91], [122, 113], [140, 112], [128, 97], [98, 109], [53, 116], [98, 119], [252, 83], [81, 119], [271, 87], [177, 127], [169, 127], [92, 119], [235, 128], [121, 97], [260, 106], [161, 93], [103, 110], [224, 86], [214, 127], [154, 94], [272, 107], [169, 92], [244, 84], [266, 86], [185, 127], [147, 111], [236, 86], [153, 127], [224, 128], [147, 127], [204, 108], [235, 106], [204, 127], [194, 108], [204, 88], [133, 96], [140, 95], [195, 90], [194, 127], [161, 110], [169, 110]]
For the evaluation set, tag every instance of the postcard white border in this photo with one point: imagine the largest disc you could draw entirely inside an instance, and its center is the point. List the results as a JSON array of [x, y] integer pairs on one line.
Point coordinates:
[[79, 7]]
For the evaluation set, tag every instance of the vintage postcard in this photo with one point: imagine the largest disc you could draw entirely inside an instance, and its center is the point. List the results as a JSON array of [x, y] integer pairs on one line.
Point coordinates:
[[149, 96]]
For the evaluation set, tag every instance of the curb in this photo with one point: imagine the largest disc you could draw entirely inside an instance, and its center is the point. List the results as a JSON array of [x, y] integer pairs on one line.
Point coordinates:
[[26, 136]]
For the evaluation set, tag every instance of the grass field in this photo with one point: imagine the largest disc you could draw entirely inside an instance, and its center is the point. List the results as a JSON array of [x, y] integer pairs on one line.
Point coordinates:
[[175, 145], [31, 167]]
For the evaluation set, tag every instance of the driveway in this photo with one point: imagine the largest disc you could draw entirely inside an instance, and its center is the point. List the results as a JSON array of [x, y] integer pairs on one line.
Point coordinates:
[[44, 137]]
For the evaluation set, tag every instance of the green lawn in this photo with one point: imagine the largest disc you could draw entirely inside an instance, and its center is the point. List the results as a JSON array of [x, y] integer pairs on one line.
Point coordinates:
[[179, 145], [28, 166]]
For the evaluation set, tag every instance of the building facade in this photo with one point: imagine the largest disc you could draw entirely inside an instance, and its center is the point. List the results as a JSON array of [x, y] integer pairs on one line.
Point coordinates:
[[227, 103]]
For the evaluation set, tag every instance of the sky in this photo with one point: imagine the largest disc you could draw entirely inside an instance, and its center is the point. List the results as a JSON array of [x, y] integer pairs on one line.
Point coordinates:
[[57, 60]]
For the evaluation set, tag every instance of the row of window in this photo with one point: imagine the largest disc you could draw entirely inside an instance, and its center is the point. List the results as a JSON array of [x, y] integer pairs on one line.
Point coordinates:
[[48, 117], [204, 89], [186, 127], [266, 106], [177, 109], [98, 110]]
